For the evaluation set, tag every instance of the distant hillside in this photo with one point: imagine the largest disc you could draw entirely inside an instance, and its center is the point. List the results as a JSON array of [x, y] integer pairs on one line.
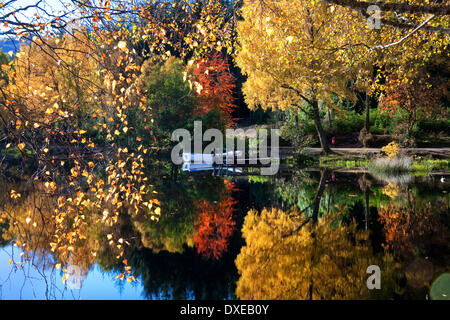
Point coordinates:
[[9, 45]]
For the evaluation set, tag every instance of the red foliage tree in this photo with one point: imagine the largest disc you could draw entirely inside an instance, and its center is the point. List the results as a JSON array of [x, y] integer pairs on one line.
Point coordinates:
[[215, 226], [218, 86], [418, 91]]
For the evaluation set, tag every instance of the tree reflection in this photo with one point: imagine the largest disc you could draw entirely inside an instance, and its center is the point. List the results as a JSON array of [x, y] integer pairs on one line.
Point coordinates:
[[306, 236], [56, 238], [408, 229], [350, 226], [320, 260], [215, 225]]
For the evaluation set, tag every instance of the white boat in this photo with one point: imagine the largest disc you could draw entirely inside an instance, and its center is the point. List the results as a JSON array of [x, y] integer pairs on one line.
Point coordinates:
[[208, 158], [191, 167]]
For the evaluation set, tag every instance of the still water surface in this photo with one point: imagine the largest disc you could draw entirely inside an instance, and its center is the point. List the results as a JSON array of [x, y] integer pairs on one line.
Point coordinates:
[[303, 234]]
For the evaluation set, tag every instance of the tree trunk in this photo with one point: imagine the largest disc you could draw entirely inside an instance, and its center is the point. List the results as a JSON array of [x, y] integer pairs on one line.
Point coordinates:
[[297, 120], [329, 118], [367, 122], [315, 216], [366, 211], [319, 193], [319, 128]]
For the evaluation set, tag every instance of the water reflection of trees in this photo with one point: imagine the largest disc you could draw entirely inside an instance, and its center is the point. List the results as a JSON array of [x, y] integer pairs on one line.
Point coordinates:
[[319, 237], [196, 214], [287, 257], [29, 225], [307, 236]]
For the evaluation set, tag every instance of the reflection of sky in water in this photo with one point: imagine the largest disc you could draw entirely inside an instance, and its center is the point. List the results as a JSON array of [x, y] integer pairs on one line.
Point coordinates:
[[30, 283]]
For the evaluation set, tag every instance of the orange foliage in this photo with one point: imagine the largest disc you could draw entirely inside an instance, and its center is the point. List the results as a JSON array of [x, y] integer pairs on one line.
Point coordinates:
[[216, 226], [405, 229], [400, 94], [218, 86]]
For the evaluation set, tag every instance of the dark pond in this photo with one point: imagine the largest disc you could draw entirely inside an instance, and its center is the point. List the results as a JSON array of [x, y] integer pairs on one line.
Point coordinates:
[[302, 234]]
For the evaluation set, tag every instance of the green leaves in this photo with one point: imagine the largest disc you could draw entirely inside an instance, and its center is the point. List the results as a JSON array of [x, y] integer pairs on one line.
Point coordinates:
[[440, 289]]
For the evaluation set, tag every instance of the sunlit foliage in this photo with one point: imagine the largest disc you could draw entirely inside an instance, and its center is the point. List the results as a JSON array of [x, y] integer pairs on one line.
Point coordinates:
[[285, 258]]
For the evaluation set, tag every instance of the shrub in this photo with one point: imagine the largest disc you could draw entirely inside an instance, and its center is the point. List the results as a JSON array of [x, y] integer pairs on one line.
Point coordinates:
[[435, 126], [393, 165], [392, 150]]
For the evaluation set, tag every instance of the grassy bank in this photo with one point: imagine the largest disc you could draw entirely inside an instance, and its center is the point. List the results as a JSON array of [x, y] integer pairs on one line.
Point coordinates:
[[419, 164]]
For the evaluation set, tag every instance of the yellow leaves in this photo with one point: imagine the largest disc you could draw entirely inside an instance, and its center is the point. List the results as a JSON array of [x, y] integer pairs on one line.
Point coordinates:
[[391, 190], [50, 185], [290, 256], [290, 39], [198, 87], [122, 45], [53, 246], [392, 150], [14, 194], [21, 146], [74, 172]]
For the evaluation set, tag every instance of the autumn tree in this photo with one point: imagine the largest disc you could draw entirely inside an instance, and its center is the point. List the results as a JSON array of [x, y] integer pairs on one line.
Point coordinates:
[[298, 56], [48, 81], [215, 226], [73, 104], [59, 108], [293, 56], [404, 13], [216, 86], [317, 261], [412, 226], [421, 94]]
